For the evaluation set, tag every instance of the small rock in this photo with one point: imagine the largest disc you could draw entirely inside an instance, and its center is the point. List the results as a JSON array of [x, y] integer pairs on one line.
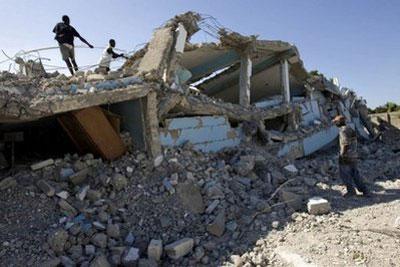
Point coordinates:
[[63, 194], [291, 169], [79, 177], [94, 77], [198, 253], [57, 240], [179, 248], [158, 160], [46, 188], [129, 239], [42, 164], [217, 227], [212, 206], [67, 208], [191, 197], [155, 249], [8, 182], [99, 226], [99, 240], [231, 226], [100, 261], [293, 200], [119, 182], [90, 250], [318, 206], [51, 263], [237, 261], [245, 165], [93, 195], [82, 193], [275, 224], [167, 184], [215, 192], [67, 262], [147, 263], [130, 257], [66, 172], [113, 230]]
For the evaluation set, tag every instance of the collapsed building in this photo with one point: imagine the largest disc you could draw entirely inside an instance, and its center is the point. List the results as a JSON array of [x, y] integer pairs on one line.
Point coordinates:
[[172, 92]]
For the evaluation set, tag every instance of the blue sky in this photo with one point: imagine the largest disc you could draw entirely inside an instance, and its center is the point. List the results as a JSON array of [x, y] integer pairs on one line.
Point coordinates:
[[355, 40]]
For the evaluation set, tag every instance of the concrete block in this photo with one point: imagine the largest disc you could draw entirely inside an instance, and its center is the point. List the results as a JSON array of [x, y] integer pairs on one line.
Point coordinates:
[[8, 182], [130, 257], [79, 177], [291, 168], [318, 206], [42, 164], [46, 188], [212, 206], [179, 248], [155, 249], [217, 227]]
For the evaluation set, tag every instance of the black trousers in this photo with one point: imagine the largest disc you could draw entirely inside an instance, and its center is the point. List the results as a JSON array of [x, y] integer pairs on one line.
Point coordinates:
[[351, 177]]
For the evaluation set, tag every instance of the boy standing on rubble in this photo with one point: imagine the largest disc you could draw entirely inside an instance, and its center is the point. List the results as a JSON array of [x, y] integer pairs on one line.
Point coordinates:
[[65, 35], [348, 159], [106, 58]]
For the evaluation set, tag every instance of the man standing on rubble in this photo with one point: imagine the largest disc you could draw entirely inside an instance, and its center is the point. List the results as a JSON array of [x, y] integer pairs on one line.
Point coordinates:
[[348, 159], [65, 35], [106, 58]]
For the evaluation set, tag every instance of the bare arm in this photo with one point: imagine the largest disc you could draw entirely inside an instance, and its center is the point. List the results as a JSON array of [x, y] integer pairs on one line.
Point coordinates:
[[84, 41]]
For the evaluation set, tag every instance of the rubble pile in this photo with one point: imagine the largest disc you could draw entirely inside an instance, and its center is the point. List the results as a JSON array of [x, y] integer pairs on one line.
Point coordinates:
[[166, 202], [192, 209]]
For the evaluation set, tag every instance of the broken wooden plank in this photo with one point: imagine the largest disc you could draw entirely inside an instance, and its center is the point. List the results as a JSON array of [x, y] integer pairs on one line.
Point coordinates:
[[91, 131]]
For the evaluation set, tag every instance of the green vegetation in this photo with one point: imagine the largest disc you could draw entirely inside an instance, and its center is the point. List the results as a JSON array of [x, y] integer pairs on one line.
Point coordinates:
[[388, 107]]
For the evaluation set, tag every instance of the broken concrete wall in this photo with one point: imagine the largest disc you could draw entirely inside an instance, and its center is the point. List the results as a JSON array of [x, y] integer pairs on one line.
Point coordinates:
[[205, 133]]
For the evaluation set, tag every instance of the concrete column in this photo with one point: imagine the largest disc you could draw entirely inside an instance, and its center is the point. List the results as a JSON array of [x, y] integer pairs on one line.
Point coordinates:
[[285, 81], [244, 80], [153, 143]]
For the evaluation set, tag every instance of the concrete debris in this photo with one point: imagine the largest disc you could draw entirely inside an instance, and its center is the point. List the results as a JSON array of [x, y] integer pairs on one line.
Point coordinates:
[[182, 151], [100, 261], [46, 188], [217, 227], [130, 257], [179, 248], [7, 183], [57, 240], [291, 169], [119, 182], [42, 164], [67, 208], [191, 197], [318, 206], [155, 249], [63, 194]]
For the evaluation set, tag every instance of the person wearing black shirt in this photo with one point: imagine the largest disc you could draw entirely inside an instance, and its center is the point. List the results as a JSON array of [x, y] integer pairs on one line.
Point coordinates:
[[65, 35]]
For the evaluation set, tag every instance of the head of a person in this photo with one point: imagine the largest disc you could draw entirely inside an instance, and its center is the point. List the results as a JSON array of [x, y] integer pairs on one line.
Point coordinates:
[[339, 121], [112, 42], [65, 19]]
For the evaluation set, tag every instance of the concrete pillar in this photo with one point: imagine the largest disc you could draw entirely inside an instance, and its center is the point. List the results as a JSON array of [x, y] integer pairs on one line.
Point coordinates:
[[285, 81], [244, 80], [153, 143]]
